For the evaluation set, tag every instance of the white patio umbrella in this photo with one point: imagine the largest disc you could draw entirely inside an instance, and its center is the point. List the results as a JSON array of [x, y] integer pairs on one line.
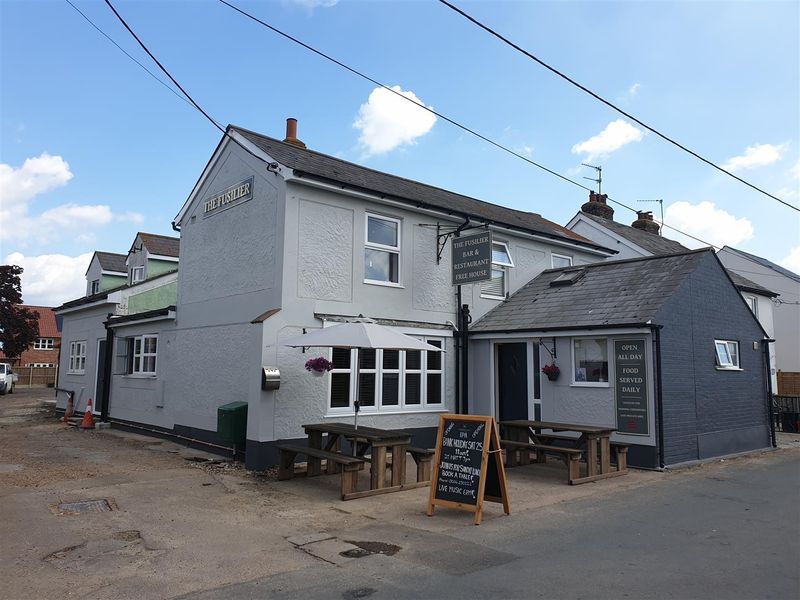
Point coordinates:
[[359, 333]]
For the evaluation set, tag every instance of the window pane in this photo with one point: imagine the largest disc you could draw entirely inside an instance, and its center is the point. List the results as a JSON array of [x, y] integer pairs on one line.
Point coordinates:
[[380, 265], [723, 357], [137, 364], [340, 389], [366, 389], [391, 359], [149, 364], [435, 358], [495, 286], [434, 389], [381, 232], [366, 359], [137, 346], [150, 345], [413, 359], [391, 389], [561, 261], [500, 254], [733, 350], [341, 358], [413, 388], [591, 360]]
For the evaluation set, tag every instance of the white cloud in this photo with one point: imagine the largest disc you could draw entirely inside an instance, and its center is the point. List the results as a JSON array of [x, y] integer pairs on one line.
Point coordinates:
[[759, 155], [792, 261], [51, 279], [68, 215], [526, 150], [707, 222], [36, 176], [130, 217], [616, 135], [795, 170], [386, 121], [634, 89], [310, 5]]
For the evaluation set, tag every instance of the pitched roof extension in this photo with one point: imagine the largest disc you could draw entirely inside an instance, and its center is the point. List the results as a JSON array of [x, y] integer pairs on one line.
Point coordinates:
[[745, 285], [766, 263], [616, 293], [162, 245], [308, 163], [110, 261], [651, 242]]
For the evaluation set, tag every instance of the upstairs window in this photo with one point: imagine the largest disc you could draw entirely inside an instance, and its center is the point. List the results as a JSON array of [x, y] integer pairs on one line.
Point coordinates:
[[137, 274], [382, 250], [95, 287], [727, 354], [43, 344], [752, 302], [560, 260], [497, 286]]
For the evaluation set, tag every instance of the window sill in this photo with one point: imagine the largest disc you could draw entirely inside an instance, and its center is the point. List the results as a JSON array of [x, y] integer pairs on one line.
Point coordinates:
[[491, 297], [76, 372], [139, 376], [384, 283], [378, 413], [590, 384], [729, 369]]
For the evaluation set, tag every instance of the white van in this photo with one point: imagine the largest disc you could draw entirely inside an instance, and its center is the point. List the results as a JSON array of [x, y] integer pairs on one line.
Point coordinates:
[[8, 379]]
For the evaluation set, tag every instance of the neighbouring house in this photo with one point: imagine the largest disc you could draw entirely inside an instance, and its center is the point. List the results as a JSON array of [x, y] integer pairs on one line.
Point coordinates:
[[595, 221], [42, 355], [641, 348], [277, 239], [785, 310], [106, 271], [83, 364]]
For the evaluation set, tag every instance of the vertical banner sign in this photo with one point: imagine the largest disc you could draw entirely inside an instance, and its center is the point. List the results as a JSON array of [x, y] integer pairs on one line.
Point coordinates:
[[472, 258], [631, 387], [468, 466]]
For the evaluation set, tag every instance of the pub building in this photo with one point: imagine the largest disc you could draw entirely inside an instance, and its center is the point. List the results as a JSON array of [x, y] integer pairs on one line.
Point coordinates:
[[277, 240]]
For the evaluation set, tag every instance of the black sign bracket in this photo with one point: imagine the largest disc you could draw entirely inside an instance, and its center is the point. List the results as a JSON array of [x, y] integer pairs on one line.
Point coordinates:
[[445, 232]]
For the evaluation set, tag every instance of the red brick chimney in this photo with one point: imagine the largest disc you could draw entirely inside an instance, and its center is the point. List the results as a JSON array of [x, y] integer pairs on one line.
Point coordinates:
[[291, 133], [597, 206], [644, 221]]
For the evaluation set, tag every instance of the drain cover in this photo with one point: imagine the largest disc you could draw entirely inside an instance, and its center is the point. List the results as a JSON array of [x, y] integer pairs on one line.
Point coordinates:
[[355, 553], [87, 506]]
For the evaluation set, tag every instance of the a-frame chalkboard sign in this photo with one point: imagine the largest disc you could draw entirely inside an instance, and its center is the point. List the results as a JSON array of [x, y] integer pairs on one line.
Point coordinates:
[[468, 466]]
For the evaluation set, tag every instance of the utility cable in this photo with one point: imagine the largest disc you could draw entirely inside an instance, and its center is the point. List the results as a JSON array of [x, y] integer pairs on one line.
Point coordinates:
[[610, 104]]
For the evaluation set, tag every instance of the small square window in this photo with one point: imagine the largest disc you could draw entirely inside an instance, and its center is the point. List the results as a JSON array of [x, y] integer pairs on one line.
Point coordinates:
[[560, 260], [726, 354]]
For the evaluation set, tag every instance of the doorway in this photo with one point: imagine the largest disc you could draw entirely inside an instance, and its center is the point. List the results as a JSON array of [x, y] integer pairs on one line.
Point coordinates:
[[512, 381], [100, 377]]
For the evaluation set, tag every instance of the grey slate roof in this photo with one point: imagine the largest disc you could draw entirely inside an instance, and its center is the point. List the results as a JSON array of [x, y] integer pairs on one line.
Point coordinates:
[[625, 292], [651, 242], [766, 263], [112, 262], [160, 244], [306, 162], [745, 285]]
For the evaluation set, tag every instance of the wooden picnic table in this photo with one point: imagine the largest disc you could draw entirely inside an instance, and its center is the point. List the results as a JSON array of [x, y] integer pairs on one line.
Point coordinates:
[[594, 440], [379, 444]]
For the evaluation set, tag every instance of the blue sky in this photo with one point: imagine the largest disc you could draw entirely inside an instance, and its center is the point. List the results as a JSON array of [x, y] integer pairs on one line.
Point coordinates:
[[110, 151]]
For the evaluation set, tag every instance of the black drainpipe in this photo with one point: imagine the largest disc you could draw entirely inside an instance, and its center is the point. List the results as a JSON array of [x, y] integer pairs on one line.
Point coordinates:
[[659, 392], [107, 365], [465, 321], [765, 345], [457, 340]]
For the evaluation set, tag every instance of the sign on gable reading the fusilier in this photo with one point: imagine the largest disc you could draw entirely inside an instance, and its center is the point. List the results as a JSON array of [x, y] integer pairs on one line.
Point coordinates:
[[631, 387], [472, 258], [232, 196]]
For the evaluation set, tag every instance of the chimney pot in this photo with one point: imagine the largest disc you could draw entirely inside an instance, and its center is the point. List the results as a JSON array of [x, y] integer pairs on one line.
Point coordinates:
[[644, 221], [291, 133], [598, 206]]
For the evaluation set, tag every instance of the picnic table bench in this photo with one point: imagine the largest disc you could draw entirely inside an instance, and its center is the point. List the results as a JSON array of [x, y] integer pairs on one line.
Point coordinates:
[[335, 462]]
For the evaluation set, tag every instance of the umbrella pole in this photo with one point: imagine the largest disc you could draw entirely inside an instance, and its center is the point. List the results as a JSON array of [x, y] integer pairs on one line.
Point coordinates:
[[356, 402]]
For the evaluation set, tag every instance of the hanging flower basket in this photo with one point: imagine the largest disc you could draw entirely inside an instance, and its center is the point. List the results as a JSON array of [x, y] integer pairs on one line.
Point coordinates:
[[552, 371], [318, 366]]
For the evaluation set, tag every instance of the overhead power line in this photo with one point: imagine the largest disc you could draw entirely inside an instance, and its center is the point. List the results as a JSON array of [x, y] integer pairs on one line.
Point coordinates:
[[610, 104]]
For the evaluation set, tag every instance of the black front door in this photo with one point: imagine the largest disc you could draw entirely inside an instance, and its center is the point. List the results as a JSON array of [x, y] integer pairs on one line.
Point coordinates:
[[101, 375], [512, 380]]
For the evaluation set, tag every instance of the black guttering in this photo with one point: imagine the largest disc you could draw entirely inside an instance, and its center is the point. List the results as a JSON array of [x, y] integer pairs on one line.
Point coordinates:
[[142, 316], [483, 333], [656, 330], [455, 214]]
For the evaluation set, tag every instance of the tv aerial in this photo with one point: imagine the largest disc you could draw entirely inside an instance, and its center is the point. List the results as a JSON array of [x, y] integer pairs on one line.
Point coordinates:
[[599, 180], [661, 205]]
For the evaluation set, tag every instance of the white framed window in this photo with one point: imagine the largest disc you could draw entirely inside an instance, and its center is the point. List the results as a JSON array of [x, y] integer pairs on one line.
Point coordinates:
[[95, 286], [77, 357], [382, 250], [137, 274], [389, 380], [144, 349], [727, 354], [497, 286], [752, 302], [590, 362], [43, 344], [560, 260]]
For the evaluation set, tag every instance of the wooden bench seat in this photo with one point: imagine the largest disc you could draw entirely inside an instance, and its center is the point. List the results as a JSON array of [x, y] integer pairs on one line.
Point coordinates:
[[335, 462], [572, 456], [621, 452], [423, 457]]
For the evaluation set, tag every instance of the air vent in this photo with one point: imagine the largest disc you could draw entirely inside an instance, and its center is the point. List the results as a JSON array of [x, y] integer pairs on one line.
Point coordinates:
[[568, 277]]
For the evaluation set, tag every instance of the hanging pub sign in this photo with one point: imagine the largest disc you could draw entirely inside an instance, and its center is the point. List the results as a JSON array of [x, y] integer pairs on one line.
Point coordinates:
[[468, 465], [472, 258], [631, 387], [232, 196]]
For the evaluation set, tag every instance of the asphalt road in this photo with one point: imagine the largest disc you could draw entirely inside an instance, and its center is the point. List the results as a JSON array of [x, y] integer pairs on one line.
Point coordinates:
[[730, 531]]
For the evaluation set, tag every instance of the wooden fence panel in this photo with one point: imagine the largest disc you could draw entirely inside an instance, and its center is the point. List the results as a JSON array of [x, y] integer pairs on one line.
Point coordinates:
[[36, 376], [788, 383]]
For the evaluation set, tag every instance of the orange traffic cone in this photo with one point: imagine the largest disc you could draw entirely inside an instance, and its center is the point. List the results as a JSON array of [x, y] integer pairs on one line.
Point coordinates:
[[88, 418]]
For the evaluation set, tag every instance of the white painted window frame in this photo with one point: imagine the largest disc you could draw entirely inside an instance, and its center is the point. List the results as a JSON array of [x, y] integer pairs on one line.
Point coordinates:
[[752, 302], [44, 344], [554, 255], [141, 355], [401, 407], [385, 248], [134, 271], [77, 357], [726, 362], [573, 364], [95, 287], [499, 266]]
